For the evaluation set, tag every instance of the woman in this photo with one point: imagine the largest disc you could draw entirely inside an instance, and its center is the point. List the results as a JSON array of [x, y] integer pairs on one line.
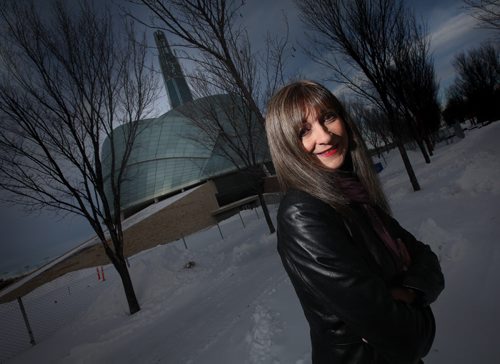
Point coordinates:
[[364, 283]]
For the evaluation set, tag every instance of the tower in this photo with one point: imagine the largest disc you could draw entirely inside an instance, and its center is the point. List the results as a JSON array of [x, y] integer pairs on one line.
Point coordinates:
[[177, 88]]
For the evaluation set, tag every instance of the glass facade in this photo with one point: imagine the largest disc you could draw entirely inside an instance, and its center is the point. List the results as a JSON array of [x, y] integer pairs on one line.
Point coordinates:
[[171, 152], [177, 88]]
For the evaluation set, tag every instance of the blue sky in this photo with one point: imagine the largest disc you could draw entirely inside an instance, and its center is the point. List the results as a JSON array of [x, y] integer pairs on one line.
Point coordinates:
[[31, 240]]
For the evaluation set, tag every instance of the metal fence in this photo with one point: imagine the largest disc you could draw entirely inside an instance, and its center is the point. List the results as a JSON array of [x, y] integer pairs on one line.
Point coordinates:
[[47, 309], [57, 303]]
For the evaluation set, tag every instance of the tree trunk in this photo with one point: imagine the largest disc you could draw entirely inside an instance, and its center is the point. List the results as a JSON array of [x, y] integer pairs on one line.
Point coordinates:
[[409, 168], [430, 147], [266, 213], [122, 269], [423, 150]]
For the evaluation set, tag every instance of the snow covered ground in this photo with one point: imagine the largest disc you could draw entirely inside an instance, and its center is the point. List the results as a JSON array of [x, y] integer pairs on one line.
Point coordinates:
[[236, 305]]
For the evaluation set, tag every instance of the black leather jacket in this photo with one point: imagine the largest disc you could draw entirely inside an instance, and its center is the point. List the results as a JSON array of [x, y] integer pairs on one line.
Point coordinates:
[[342, 273]]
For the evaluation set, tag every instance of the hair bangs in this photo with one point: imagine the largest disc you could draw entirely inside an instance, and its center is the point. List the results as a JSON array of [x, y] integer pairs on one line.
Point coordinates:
[[300, 100]]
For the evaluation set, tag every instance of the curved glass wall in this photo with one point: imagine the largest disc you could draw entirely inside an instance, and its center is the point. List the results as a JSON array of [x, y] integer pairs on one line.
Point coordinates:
[[171, 153]]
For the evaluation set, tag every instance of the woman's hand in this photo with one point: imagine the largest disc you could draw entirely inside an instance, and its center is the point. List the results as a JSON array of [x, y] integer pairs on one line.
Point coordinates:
[[403, 294]]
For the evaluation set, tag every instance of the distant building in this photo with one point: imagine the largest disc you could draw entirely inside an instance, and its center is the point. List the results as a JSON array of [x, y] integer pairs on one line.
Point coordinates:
[[168, 156]]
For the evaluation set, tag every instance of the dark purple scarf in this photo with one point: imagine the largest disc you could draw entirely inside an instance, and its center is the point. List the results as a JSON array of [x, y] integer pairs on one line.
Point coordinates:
[[354, 191]]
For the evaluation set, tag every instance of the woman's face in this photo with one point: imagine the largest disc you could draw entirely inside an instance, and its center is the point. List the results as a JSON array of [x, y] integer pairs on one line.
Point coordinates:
[[325, 136]]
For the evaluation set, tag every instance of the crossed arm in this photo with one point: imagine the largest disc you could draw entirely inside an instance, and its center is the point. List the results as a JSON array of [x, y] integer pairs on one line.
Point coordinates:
[[320, 258]]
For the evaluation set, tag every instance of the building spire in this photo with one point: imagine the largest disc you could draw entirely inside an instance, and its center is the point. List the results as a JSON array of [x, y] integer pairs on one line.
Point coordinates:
[[177, 88]]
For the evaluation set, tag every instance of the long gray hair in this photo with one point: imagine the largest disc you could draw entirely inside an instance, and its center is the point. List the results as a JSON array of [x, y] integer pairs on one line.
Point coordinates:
[[286, 113]]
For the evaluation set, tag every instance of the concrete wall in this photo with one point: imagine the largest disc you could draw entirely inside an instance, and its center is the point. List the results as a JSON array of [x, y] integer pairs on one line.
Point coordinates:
[[183, 217]]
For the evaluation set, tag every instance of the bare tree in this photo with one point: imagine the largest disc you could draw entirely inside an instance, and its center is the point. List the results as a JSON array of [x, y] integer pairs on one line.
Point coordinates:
[[358, 42], [414, 87], [486, 11], [372, 124], [478, 82], [455, 110], [68, 79], [224, 124], [226, 64]]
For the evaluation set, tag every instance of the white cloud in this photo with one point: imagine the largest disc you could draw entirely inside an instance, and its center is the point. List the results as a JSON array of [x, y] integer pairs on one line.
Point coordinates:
[[452, 31], [449, 36]]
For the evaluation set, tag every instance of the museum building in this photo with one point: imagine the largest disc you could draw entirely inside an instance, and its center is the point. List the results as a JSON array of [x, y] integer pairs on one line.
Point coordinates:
[[171, 154]]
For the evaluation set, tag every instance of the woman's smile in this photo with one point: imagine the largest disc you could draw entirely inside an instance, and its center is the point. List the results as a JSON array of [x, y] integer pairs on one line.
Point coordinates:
[[329, 152]]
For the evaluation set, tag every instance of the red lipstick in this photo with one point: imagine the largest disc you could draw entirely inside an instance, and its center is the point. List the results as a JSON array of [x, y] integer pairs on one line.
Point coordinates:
[[329, 152]]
